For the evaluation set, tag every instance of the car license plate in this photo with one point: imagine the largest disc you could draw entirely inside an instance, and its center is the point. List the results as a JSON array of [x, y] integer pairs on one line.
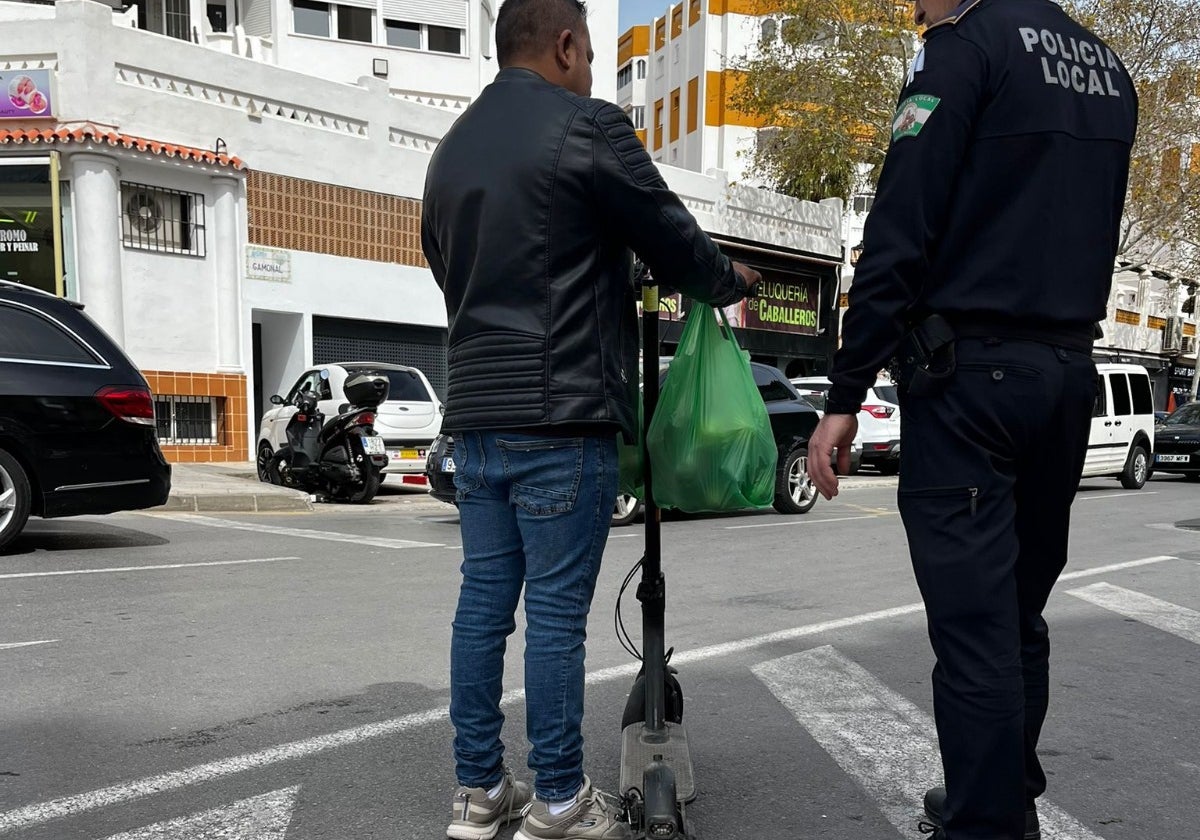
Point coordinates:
[[1172, 459], [373, 446], [447, 465]]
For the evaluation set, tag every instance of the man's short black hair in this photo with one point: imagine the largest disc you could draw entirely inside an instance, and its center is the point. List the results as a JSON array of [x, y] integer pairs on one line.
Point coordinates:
[[525, 28]]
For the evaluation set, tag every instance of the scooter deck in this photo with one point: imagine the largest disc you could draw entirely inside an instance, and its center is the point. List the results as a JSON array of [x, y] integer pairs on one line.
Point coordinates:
[[638, 748]]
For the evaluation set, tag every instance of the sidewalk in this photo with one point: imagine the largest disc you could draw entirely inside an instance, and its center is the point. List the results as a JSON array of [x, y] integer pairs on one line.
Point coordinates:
[[228, 488]]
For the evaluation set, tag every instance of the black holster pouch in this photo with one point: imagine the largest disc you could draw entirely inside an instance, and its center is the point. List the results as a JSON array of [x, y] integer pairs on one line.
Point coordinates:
[[925, 359]]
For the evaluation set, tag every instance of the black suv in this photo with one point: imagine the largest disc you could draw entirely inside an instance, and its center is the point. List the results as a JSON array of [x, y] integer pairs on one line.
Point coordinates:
[[77, 433], [793, 420]]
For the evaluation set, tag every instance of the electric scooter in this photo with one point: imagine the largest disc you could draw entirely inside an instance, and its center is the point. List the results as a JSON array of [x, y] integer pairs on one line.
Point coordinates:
[[657, 777]]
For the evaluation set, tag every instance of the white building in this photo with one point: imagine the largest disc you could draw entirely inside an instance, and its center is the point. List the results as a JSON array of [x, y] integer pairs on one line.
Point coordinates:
[[689, 120], [234, 206], [1152, 321]]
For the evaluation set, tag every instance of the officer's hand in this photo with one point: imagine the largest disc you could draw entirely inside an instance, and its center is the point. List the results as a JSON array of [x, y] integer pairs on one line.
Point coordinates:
[[749, 276], [834, 432]]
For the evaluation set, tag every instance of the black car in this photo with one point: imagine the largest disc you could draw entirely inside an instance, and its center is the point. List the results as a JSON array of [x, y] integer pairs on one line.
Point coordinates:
[[77, 433], [1177, 443], [792, 422]]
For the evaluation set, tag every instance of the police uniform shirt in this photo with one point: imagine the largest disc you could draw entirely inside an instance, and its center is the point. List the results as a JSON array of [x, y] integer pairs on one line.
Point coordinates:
[[1002, 191]]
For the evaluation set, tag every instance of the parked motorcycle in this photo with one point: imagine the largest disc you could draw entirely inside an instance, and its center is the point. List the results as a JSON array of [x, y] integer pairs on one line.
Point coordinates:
[[341, 460]]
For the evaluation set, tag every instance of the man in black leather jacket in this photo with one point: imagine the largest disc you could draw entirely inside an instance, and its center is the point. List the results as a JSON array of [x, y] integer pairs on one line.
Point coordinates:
[[533, 201]]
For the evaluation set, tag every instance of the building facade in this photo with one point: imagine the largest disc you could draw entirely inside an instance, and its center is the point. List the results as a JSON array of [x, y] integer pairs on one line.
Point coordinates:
[[690, 119], [233, 190]]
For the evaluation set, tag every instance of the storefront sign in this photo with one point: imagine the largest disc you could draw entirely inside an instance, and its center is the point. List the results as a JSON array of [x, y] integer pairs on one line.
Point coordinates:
[[785, 303], [268, 264], [25, 94], [17, 242]]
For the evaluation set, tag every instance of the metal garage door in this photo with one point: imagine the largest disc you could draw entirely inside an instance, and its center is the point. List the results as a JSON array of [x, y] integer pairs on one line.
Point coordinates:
[[346, 340]]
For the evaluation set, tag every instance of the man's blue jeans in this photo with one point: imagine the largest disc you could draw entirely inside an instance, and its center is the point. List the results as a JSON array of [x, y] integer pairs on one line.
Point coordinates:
[[535, 512]]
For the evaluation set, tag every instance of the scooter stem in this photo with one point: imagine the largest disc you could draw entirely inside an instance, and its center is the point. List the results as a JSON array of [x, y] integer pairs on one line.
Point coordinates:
[[652, 591]]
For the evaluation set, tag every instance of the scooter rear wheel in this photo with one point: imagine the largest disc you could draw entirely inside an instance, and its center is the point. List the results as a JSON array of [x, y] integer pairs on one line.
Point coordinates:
[[367, 492]]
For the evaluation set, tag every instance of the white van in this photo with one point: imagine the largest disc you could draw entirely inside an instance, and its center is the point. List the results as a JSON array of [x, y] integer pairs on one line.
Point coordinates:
[[1121, 444]]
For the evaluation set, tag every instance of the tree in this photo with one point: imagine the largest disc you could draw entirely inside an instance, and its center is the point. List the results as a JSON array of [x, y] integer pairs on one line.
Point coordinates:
[[826, 82], [1159, 43], [828, 86]]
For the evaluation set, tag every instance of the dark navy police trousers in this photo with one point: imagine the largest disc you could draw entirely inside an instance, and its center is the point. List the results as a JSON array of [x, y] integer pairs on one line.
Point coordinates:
[[991, 464]]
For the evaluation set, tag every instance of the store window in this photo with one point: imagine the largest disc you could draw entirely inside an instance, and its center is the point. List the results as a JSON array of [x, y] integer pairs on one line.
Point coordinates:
[[27, 249]]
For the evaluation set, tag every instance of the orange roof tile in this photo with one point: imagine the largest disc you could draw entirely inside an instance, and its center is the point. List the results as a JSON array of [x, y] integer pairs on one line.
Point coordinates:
[[95, 134]]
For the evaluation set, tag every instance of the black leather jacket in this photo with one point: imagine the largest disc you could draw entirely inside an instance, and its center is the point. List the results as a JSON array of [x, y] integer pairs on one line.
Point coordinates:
[[532, 202]]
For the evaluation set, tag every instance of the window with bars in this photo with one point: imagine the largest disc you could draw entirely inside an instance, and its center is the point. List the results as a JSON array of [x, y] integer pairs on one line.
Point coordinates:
[[159, 219], [186, 421]]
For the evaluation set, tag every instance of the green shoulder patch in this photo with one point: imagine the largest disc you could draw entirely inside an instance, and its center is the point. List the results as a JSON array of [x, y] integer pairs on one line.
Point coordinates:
[[912, 114]]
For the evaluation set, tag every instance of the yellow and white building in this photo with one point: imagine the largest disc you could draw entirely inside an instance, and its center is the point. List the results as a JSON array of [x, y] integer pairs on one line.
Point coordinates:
[[689, 86]]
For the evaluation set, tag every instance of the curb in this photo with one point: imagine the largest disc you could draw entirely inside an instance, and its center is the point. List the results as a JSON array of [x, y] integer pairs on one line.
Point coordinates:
[[855, 483], [236, 502]]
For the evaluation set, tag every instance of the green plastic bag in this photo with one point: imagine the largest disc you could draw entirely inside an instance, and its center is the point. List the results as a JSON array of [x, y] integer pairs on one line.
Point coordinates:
[[710, 441], [631, 461]]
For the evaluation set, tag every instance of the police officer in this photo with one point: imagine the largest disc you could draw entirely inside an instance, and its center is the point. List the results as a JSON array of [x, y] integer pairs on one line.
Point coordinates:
[[987, 262]]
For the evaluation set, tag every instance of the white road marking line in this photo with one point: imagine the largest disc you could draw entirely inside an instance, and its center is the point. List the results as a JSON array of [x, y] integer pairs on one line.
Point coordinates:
[[114, 569], [1162, 615], [13, 645], [802, 521], [303, 533], [874, 734], [1115, 567], [72, 805], [1087, 497], [66, 806], [264, 817]]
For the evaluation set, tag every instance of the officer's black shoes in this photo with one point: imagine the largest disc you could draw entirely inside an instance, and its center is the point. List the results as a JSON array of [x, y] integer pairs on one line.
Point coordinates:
[[935, 802]]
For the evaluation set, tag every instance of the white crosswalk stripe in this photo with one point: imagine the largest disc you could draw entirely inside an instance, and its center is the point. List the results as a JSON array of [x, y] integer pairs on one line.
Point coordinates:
[[877, 736], [1155, 612]]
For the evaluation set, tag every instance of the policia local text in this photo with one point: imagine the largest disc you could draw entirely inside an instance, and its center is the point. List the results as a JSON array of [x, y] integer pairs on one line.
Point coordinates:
[[1080, 66]]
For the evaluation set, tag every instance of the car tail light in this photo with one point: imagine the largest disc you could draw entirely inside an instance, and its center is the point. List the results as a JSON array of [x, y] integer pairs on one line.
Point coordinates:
[[880, 447], [365, 419], [882, 412], [133, 405]]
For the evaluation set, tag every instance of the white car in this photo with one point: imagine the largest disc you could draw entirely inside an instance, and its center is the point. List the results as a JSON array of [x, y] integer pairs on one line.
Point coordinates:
[[878, 422], [1121, 443], [408, 421]]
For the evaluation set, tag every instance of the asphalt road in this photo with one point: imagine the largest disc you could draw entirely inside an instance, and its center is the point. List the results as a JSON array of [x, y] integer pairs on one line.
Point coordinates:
[[285, 676]]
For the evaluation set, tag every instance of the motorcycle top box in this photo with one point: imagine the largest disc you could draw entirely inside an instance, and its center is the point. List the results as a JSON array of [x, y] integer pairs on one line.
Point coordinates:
[[366, 390]]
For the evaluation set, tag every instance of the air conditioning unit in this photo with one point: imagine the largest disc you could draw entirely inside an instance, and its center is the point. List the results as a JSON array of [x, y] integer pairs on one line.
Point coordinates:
[[1188, 346], [1173, 335], [156, 218]]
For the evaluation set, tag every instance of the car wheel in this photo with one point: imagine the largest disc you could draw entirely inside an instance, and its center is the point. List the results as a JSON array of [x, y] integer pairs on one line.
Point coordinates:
[[794, 488], [16, 497], [268, 469], [627, 510], [889, 467], [1137, 469]]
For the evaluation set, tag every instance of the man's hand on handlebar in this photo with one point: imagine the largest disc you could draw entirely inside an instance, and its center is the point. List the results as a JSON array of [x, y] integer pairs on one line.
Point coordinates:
[[749, 276]]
